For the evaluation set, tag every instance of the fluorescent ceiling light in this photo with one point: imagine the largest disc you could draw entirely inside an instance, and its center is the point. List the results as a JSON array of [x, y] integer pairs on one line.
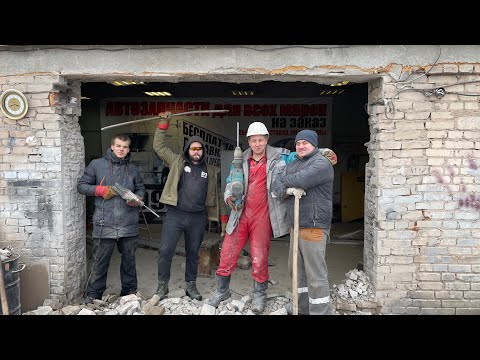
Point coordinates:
[[243, 92], [127, 83], [341, 83], [158, 93], [332, 92]]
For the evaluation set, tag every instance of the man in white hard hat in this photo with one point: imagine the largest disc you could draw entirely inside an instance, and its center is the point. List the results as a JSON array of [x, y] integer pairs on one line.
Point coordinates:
[[257, 219]]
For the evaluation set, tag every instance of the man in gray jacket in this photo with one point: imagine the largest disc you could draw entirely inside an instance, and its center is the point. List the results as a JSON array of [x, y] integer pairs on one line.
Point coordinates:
[[313, 173], [115, 221]]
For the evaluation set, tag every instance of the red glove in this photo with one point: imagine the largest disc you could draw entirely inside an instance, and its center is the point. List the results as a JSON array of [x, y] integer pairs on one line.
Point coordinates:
[[223, 220], [105, 192], [165, 121]]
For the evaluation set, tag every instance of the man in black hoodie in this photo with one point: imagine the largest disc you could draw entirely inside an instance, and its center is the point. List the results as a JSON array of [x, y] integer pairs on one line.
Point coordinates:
[[190, 193]]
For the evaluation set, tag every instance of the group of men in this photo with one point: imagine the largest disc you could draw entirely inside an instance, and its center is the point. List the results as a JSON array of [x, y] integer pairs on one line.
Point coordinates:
[[191, 192]]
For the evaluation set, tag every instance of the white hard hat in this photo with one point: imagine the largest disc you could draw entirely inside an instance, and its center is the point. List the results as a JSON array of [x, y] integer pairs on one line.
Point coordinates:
[[257, 128]]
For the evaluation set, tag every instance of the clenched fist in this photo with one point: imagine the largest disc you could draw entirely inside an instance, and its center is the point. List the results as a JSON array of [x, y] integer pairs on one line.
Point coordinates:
[[105, 192], [164, 123]]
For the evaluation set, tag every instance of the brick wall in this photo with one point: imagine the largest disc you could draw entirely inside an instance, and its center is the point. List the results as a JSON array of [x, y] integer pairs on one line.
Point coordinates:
[[422, 212], [41, 157]]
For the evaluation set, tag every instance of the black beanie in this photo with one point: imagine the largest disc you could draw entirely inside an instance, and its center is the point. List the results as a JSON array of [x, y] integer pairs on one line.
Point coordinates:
[[309, 135]]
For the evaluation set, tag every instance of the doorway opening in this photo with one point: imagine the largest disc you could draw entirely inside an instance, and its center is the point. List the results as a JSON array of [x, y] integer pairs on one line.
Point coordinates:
[[339, 115]]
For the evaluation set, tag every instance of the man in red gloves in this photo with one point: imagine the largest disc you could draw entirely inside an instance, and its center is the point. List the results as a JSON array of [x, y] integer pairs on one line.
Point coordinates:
[[115, 221], [190, 193]]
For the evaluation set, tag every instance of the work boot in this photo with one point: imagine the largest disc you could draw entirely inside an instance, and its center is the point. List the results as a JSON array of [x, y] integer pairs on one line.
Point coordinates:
[[87, 300], [222, 292], [192, 291], [162, 289], [127, 292], [259, 296]]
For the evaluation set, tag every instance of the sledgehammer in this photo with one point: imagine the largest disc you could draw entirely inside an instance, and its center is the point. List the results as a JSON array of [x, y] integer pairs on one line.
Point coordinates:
[[298, 193]]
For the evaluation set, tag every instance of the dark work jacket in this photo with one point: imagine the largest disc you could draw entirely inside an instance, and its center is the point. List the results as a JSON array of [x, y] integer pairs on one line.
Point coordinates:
[[314, 174], [112, 218]]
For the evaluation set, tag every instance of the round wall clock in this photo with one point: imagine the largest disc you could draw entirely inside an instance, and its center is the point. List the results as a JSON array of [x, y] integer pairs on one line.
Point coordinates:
[[13, 104]]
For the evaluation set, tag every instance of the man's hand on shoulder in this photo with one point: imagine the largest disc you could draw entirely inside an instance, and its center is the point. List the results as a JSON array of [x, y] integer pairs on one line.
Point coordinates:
[[330, 155]]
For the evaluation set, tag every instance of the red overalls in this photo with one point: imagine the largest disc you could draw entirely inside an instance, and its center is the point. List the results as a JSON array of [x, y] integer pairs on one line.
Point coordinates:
[[254, 224]]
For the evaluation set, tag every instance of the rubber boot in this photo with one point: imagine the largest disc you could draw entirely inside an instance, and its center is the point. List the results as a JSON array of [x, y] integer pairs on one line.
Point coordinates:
[[162, 289], [191, 291], [222, 292], [259, 296]]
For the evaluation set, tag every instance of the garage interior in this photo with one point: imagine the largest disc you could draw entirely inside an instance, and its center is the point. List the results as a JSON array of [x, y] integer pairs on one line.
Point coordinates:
[[349, 134]]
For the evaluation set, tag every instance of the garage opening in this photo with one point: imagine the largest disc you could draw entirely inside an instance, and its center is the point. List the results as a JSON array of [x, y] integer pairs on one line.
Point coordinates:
[[336, 111]]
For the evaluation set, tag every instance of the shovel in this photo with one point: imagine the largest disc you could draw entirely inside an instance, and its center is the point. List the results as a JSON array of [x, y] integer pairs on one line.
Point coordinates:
[[298, 193]]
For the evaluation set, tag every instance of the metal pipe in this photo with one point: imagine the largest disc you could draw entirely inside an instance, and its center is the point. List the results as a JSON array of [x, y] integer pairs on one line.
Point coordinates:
[[158, 117]]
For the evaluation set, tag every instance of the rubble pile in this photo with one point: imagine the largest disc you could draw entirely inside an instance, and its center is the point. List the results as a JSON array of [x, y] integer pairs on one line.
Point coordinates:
[[355, 296], [134, 305]]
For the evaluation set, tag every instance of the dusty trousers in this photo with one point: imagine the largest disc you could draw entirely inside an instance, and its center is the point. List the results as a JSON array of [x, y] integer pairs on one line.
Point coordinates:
[[258, 229], [192, 225], [313, 286], [101, 254]]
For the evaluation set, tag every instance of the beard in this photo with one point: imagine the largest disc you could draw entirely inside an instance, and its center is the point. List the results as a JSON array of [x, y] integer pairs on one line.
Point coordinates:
[[195, 158]]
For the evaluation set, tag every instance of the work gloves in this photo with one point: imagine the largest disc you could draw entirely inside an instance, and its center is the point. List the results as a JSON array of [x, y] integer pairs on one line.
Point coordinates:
[[223, 220], [105, 192], [164, 123], [233, 206], [295, 192]]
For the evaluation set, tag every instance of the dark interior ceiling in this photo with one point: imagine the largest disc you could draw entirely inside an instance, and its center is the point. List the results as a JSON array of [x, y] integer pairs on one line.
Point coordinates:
[[266, 89]]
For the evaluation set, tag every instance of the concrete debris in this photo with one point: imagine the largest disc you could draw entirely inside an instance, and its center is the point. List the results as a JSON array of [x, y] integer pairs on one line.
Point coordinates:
[[55, 304], [86, 312], [356, 296], [133, 304]]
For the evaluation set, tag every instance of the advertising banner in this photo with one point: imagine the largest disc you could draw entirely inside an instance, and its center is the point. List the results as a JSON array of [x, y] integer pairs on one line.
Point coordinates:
[[283, 117]]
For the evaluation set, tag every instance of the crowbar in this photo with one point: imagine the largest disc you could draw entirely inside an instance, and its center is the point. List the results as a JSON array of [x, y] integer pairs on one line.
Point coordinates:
[[298, 193], [159, 117]]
